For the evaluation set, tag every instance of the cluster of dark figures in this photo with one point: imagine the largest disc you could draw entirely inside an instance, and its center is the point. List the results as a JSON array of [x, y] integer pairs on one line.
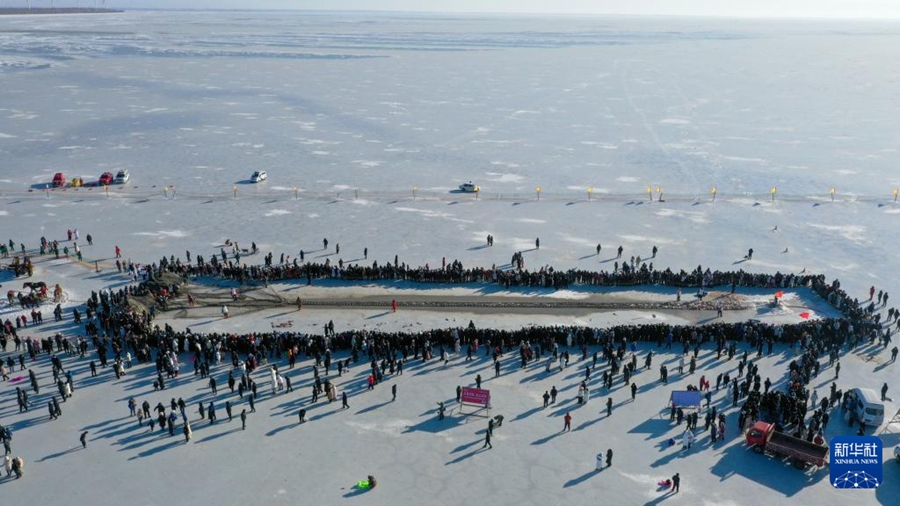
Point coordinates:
[[168, 420], [789, 409], [13, 465]]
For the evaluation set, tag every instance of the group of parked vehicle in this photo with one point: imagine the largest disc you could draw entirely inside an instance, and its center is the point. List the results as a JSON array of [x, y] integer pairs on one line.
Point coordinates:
[[106, 179], [122, 177]]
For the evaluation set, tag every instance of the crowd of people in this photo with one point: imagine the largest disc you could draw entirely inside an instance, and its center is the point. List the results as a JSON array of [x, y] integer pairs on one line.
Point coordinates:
[[635, 272], [116, 331]]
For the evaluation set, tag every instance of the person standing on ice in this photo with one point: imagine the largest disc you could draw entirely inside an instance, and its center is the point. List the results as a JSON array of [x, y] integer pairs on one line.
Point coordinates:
[[687, 438], [599, 465], [224, 311]]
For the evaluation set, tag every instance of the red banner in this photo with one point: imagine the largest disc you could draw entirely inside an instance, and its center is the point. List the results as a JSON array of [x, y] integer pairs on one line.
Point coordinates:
[[476, 396]]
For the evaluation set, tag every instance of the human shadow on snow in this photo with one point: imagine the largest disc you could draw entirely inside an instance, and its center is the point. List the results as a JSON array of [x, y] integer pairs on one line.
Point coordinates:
[[467, 455], [60, 454], [584, 477]]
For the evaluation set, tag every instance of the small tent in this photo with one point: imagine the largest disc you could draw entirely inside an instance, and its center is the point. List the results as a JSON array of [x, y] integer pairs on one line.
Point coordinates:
[[686, 399]]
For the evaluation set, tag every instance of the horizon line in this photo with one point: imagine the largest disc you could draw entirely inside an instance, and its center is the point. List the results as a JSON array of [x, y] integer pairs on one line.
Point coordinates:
[[872, 17]]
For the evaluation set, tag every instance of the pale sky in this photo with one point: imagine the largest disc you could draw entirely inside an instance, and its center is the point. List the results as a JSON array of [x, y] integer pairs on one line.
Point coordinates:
[[738, 8]]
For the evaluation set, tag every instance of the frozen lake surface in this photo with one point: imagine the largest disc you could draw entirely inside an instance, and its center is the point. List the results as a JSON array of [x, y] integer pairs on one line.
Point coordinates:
[[348, 113]]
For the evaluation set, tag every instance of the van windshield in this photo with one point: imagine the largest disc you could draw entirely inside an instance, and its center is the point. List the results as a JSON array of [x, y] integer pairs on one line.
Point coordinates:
[[874, 411]]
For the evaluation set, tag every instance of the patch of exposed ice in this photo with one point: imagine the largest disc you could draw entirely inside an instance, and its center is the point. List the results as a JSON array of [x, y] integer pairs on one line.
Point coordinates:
[[674, 121], [162, 234], [504, 177], [744, 159], [852, 233]]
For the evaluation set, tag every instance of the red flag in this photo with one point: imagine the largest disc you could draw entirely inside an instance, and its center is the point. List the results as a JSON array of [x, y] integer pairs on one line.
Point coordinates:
[[805, 316], [779, 294]]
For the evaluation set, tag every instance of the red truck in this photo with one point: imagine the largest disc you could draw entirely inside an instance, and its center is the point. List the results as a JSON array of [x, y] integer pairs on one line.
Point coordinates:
[[763, 438]]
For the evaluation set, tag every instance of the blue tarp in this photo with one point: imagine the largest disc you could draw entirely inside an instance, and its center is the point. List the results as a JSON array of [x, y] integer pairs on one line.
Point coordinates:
[[686, 398]]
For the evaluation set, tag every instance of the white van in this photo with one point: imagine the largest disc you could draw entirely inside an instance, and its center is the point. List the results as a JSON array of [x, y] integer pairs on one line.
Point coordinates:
[[865, 404]]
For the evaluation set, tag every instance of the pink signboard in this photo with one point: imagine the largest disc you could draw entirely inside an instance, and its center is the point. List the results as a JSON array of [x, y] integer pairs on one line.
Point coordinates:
[[476, 396]]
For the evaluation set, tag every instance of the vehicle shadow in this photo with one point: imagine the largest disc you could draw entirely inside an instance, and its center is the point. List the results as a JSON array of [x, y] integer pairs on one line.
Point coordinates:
[[774, 473], [887, 492]]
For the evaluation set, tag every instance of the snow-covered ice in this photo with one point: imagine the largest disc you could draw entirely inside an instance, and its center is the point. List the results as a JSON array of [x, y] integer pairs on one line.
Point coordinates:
[[396, 102]]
